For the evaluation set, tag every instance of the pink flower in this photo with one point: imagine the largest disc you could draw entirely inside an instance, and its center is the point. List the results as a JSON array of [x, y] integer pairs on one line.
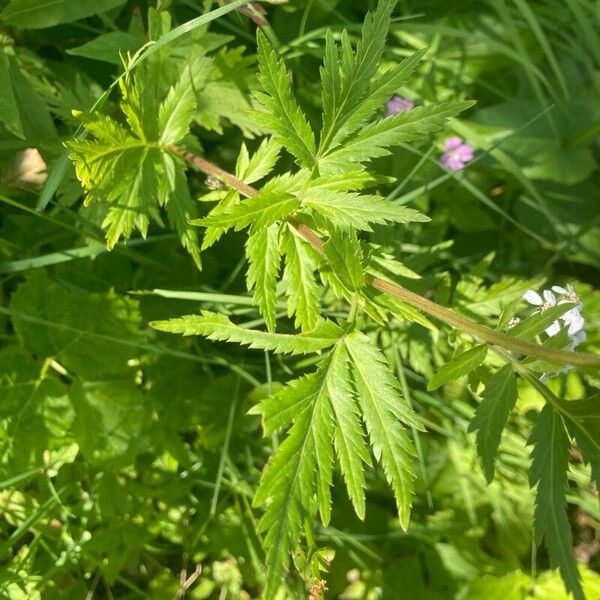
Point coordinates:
[[398, 104], [456, 153]]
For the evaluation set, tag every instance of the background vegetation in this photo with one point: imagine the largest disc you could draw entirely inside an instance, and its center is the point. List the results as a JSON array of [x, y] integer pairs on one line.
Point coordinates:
[[128, 459]]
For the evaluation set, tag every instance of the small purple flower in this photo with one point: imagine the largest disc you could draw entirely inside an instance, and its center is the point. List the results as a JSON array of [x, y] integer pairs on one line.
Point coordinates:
[[398, 104], [456, 153]]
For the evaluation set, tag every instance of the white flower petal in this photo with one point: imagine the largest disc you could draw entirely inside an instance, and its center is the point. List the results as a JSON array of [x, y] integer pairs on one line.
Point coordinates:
[[549, 297], [553, 329], [559, 290], [571, 315], [533, 298], [576, 325]]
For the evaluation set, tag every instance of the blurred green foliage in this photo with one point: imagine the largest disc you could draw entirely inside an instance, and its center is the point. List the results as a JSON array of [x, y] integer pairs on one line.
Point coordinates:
[[128, 459]]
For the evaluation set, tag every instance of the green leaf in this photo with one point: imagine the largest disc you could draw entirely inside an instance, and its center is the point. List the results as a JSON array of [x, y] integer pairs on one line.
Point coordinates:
[[94, 335], [181, 210], [538, 322], [250, 170], [108, 47], [491, 416], [300, 282], [22, 110], [177, 110], [346, 78], [33, 14], [218, 327], [374, 140], [384, 412], [35, 411], [348, 436], [380, 89], [582, 418], [280, 409], [345, 259], [110, 420], [262, 252], [283, 116], [302, 460], [550, 461], [261, 211], [352, 210], [459, 366]]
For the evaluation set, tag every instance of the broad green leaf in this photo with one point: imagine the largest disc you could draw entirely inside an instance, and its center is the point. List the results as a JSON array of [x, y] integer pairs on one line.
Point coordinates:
[[490, 418], [550, 461], [282, 116], [375, 139], [352, 210], [177, 110], [33, 14], [93, 335], [582, 418], [349, 435], [300, 283], [537, 323], [22, 110], [108, 47], [35, 411], [218, 327], [262, 252], [459, 366], [384, 412], [110, 420]]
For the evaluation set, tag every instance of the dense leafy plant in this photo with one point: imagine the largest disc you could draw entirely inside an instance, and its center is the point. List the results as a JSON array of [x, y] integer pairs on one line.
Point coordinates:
[[108, 408]]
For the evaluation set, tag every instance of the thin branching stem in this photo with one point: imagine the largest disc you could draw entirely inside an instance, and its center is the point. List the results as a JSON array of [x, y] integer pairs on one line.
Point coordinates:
[[441, 313]]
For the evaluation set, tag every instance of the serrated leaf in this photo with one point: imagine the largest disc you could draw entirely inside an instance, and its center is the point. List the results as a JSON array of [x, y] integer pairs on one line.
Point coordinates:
[[181, 210], [352, 210], [300, 283], [345, 258], [375, 139], [262, 161], [348, 436], [280, 409], [459, 366], [550, 460], [582, 418], [490, 418], [262, 252], [346, 182], [283, 116], [261, 211], [346, 76], [218, 327], [177, 110], [384, 412], [301, 461]]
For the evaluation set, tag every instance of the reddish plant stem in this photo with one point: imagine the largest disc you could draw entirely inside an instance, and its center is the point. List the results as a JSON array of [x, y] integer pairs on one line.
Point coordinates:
[[481, 332]]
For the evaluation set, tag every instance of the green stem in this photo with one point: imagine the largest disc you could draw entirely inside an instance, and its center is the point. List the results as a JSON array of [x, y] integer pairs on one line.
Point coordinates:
[[441, 313]]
